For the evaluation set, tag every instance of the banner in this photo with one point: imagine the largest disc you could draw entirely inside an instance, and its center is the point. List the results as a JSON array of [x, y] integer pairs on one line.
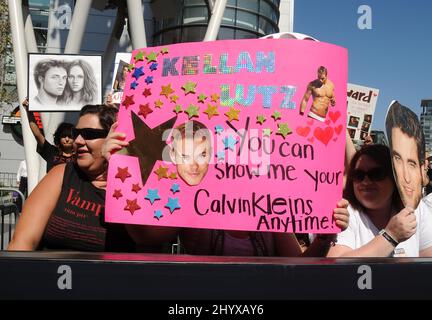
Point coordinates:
[[217, 137], [361, 108]]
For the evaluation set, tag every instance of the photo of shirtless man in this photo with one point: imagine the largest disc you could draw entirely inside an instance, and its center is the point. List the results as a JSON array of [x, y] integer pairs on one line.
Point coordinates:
[[322, 91]]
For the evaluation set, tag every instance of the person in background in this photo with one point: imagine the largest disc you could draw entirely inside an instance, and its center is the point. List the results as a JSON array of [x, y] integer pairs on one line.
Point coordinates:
[[66, 210], [379, 224], [62, 150]]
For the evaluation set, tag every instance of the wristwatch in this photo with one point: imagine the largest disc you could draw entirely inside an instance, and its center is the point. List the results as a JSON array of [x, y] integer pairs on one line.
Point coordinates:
[[388, 238]]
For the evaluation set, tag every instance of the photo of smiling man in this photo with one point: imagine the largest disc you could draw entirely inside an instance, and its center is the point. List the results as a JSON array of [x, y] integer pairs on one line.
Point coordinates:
[[191, 151], [407, 147]]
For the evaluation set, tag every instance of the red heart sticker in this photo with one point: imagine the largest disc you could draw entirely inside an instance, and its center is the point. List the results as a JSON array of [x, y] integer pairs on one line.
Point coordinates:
[[334, 115], [311, 139], [338, 129], [323, 135], [327, 122], [303, 131]]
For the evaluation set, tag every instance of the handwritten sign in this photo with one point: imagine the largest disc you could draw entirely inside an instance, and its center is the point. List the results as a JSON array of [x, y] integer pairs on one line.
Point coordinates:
[[261, 165]]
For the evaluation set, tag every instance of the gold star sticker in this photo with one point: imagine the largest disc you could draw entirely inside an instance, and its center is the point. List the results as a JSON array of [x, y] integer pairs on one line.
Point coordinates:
[[214, 97], [192, 111], [166, 90], [267, 132], [283, 129], [174, 98], [139, 56], [233, 114], [162, 172], [189, 87], [131, 67], [173, 176], [178, 108], [276, 115], [211, 110], [151, 57], [261, 119], [164, 50], [202, 97], [158, 103]]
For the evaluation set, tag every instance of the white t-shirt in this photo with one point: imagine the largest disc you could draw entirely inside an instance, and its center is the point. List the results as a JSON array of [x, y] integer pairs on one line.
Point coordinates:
[[361, 230]]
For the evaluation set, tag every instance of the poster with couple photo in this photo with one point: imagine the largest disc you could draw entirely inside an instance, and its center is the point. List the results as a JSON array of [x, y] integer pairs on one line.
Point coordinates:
[[121, 69], [58, 82]]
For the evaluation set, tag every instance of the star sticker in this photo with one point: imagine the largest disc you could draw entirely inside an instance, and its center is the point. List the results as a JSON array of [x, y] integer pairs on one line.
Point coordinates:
[[128, 101], [202, 97], [136, 188], [283, 129], [261, 119], [164, 50], [276, 115], [220, 155], [219, 129], [144, 110], [134, 85], [173, 176], [148, 144], [139, 56], [192, 111], [214, 97], [172, 204], [175, 188], [158, 214], [117, 194], [229, 142], [131, 67], [178, 108], [233, 114], [152, 195], [122, 174], [174, 98], [211, 110], [151, 57], [162, 172], [189, 87], [267, 132], [166, 90], [158, 103], [146, 92], [138, 72], [153, 66], [149, 79], [132, 206]]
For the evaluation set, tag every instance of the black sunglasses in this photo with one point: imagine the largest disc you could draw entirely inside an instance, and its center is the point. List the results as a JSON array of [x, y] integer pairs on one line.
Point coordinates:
[[89, 133], [375, 174]]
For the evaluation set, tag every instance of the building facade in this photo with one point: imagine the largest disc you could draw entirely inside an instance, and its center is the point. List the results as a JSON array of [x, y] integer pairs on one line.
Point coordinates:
[[426, 123]]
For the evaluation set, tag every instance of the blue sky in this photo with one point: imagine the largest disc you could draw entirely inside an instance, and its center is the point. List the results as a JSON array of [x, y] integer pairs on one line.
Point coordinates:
[[395, 56]]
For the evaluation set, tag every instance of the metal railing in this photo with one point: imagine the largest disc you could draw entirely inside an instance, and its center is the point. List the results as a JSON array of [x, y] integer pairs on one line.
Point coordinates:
[[9, 213]]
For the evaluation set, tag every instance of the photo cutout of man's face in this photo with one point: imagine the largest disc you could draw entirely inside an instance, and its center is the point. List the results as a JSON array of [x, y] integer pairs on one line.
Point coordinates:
[[191, 154], [407, 167]]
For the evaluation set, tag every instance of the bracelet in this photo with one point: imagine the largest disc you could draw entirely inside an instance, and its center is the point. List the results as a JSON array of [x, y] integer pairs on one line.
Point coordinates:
[[329, 238], [388, 238]]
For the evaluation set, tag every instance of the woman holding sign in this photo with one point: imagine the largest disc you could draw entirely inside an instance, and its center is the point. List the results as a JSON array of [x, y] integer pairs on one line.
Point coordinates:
[[379, 224], [191, 154]]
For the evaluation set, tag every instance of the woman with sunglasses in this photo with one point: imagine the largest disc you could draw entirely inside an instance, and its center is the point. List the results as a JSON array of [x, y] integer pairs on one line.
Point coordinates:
[[379, 225], [66, 209]]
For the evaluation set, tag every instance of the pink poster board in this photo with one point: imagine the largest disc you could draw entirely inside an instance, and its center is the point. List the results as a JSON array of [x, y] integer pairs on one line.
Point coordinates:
[[271, 169]]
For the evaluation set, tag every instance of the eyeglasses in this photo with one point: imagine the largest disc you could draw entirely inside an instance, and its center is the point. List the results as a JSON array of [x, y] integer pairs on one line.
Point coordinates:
[[375, 174], [89, 133]]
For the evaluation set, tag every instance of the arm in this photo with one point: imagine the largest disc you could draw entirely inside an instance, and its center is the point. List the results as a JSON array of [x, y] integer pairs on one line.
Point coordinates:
[[400, 227], [40, 138], [37, 211], [306, 96]]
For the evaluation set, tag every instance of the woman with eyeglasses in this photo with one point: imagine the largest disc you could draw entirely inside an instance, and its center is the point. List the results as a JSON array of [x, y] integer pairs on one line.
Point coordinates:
[[379, 225], [66, 209]]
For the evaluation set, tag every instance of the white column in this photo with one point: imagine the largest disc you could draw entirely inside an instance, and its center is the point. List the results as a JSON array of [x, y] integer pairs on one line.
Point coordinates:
[[136, 24], [20, 56], [78, 24], [215, 20]]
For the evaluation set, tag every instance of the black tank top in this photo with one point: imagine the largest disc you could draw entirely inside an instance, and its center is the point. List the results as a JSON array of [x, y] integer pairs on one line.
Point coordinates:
[[77, 222]]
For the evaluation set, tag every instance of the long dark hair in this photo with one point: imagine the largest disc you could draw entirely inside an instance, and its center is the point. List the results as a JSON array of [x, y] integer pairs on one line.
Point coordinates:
[[63, 130], [381, 155], [107, 115]]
